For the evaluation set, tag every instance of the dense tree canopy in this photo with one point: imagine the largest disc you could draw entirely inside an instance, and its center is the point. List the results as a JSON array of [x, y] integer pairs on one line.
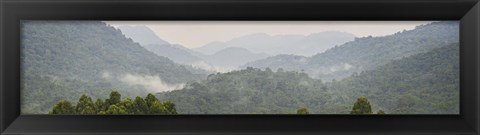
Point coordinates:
[[362, 106], [425, 83], [114, 105]]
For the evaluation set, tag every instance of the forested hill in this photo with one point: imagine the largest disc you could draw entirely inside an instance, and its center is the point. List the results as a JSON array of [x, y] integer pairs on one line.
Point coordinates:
[[426, 83], [368, 52], [249, 91], [64, 59]]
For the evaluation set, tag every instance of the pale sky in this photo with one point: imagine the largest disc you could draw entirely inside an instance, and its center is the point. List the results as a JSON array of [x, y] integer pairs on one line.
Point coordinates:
[[192, 34]]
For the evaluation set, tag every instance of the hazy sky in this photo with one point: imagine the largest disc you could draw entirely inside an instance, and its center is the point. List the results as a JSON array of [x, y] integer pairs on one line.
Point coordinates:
[[194, 34]]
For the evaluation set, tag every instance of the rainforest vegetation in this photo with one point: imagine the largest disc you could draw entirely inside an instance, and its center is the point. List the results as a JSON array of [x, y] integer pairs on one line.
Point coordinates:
[[93, 68]]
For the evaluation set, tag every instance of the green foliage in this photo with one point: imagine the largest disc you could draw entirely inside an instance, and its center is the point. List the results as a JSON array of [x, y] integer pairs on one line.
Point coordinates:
[[85, 106], [157, 108], [169, 107], [129, 105], [62, 107], [426, 83], [303, 111], [410, 72], [150, 99], [380, 112], [65, 59], [362, 106], [114, 109], [141, 106], [115, 98], [138, 106], [100, 105], [251, 91]]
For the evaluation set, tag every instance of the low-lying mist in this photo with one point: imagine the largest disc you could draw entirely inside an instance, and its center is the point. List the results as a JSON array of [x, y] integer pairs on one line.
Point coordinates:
[[151, 83]]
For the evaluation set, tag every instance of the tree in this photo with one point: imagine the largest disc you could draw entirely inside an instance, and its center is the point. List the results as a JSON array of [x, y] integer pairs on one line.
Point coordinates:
[[88, 110], [128, 105], [169, 107], [115, 98], [150, 99], [303, 111], [362, 106], [380, 112], [99, 105], [62, 107], [85, 105], [157, 108], [141, 106], [114, 109]]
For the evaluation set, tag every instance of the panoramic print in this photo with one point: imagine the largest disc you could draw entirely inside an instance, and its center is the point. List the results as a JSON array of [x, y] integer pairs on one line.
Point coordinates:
[[239, 67]]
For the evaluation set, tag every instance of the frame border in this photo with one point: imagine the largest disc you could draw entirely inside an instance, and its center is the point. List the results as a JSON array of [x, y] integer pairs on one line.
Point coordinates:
[[467, 11]]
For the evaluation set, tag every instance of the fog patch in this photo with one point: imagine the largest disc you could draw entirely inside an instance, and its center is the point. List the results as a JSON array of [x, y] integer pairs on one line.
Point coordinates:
[[347, 66], [106, 75], [151, 83], [205, 66], [340, 67]]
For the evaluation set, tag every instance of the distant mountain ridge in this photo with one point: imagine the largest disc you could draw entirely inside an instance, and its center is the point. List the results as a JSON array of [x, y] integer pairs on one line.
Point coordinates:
[[223, 60], [282, 44], [367, 52], [232, 57]]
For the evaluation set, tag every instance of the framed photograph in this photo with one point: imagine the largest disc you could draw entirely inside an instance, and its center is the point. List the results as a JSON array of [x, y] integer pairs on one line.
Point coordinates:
[[239, 67]]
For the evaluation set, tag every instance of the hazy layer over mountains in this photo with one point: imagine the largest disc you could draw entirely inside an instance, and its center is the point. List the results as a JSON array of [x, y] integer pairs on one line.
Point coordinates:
[[324, 55], [282, 44], [227, 56], [366, 53]]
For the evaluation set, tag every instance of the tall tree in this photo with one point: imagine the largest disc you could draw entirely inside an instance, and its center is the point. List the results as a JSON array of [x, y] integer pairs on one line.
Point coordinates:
[[63, 107], [85, 105], [99, 105], [169, 107], [115, 98], [362, 106], [157, 108], [150, 99], [128, 105], [141, 106]]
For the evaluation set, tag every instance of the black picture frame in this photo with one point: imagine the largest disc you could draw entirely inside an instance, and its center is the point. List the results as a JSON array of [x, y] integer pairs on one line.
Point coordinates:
[[12, 11]]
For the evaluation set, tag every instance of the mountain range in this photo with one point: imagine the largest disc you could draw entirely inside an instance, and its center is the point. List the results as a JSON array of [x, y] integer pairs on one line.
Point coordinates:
[[226, 59], [423, 83], [282, 44], [365, 53], [409, 72]]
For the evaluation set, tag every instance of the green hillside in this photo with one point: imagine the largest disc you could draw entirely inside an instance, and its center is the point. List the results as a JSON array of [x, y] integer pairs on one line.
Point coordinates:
[[425, 83], [64, 59]]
